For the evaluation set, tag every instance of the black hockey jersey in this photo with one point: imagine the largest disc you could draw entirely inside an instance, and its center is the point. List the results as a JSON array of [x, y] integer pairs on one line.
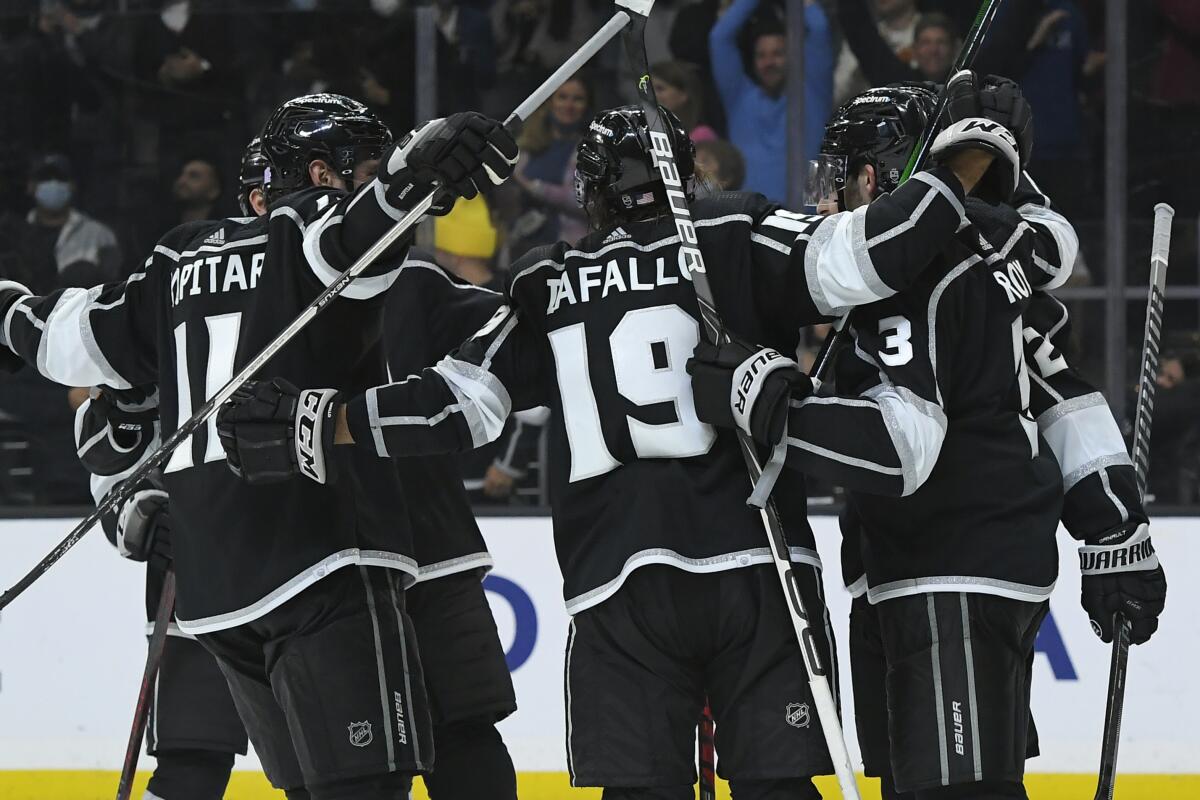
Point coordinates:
[[977, 506], [429, 313], [601, 334], [1077, 424], [209, 297]]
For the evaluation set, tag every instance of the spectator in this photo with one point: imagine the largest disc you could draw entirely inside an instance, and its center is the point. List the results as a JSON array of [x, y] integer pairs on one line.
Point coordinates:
[[545, 176], [722, 164], [677, 87], [688, 42], [196, 190], [1174, 436], [1057, 52], [935, 44], [896, 25], [756, 108], [465, 243], [536, 36], [55, 236]]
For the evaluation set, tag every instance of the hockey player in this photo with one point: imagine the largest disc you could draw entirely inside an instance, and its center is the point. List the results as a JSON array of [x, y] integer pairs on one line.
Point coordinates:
[[281, 582], [194, 730], [958, 561], [664, 566]]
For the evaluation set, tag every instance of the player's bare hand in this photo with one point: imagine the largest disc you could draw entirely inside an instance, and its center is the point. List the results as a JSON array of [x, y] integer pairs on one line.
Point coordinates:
[[497, 484]]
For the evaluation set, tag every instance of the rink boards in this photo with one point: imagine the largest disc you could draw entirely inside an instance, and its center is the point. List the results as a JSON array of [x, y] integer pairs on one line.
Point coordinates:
[[72, 651]]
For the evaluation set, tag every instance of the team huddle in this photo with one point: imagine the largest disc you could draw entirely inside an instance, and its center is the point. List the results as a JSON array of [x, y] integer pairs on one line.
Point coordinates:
[[330, 606]]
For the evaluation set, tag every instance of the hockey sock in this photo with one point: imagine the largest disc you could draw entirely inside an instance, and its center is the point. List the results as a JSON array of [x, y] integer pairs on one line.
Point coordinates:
[[783, 789], [981, 790], [657, 793], [472, 762], [190, 775]]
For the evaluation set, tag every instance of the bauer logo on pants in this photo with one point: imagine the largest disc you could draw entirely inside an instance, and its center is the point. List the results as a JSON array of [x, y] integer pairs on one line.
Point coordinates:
[[797, 715], [360, 733]]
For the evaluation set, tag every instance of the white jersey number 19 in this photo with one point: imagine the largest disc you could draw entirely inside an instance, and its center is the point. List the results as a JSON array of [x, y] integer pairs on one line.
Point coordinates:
[[640, 380]]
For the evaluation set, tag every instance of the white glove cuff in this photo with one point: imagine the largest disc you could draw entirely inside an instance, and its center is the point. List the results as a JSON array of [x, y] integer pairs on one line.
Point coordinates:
[[748, 380], [312, 415], [981, 131], [1135, 554]]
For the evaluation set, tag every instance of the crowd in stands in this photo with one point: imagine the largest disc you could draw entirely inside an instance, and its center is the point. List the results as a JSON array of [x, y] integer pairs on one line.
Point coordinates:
[[126, 117]]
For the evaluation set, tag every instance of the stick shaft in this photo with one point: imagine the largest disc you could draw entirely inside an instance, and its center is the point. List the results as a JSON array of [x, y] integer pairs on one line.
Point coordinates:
[[361, 264], [706, 759], [1144, 416], [692, 260], [141, 711], [966, 57]]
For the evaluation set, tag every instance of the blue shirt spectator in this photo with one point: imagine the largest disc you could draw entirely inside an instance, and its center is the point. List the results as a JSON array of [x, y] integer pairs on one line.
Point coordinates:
[[1051, 82], [756, 107]]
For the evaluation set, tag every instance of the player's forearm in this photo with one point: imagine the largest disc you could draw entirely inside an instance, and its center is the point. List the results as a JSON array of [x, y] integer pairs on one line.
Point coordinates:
[[867, 255], [450, 408], [727, 67], [884, 444]]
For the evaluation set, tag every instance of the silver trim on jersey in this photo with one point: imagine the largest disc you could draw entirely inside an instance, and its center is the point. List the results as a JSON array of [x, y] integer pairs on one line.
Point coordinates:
[[1065, 407], [861, 246], [415, 263], [210, 248], [935, 297], [1066, 242], [453, 566], [269, 602], [372, 400], [935, 654], [477, 391], [1095, 465], [67, 350], [1116, 501], [361, 288], [930, 179], [172, 630], [958, 583], [738, 559], [859, 587], [845, 459], [969, 653], [767, 241], [1046, 387], [818, 240]]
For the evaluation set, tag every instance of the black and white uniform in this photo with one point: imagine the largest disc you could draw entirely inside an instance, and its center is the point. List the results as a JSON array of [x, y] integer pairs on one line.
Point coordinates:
[[259, 567], [429, 312], [643, 493], [951, 577], [191, 713]]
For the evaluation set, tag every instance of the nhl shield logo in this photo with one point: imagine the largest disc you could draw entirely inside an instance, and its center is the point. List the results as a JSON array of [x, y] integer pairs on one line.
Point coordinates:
[[796, 715], [360, 733]]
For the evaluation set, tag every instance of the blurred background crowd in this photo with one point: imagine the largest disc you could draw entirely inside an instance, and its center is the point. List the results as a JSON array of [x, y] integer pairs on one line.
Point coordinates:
[[123, 118]]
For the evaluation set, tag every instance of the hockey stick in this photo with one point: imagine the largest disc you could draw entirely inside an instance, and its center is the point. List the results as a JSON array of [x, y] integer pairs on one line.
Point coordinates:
[[158, 642], [966, 57], [189, 426], [706, 755], [1160, 250], [692, 262]]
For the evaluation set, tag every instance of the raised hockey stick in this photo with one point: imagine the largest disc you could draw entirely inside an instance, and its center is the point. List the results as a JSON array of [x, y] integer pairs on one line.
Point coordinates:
[[141, 711], [189, 426], [966, 57], [1160, 250], [692, 261]]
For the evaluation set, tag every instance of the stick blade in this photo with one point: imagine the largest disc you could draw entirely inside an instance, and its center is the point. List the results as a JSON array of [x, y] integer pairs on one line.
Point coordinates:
[[640, 7]]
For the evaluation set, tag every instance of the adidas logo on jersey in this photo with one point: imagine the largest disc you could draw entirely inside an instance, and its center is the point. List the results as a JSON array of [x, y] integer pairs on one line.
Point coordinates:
[[216, 238], [617, 235]]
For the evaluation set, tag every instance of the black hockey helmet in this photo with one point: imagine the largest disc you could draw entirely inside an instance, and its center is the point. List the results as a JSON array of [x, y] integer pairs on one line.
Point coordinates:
[[614, 168], [331, 127], [880, 127], [250, 176]]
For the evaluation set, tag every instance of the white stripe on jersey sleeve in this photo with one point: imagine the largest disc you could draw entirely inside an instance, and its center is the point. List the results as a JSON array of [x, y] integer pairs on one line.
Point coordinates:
[[1065, 238], [68, 352], [1084, 436], [917, 428], [360, 288], [484, 402]]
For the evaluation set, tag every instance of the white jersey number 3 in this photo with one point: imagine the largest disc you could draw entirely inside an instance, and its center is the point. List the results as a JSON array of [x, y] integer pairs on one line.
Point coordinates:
[[641, 379], [897, 341]]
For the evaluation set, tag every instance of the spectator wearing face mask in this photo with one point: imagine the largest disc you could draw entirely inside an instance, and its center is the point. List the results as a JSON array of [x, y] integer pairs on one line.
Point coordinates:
[[57, 239]]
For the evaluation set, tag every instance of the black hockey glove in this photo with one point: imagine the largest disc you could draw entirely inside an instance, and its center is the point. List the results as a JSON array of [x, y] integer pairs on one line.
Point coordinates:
[[144, 526], [738, 385], [115, 429], [994, 117], [1123, 574], [463, 153], [10, 292], [271, 431]]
